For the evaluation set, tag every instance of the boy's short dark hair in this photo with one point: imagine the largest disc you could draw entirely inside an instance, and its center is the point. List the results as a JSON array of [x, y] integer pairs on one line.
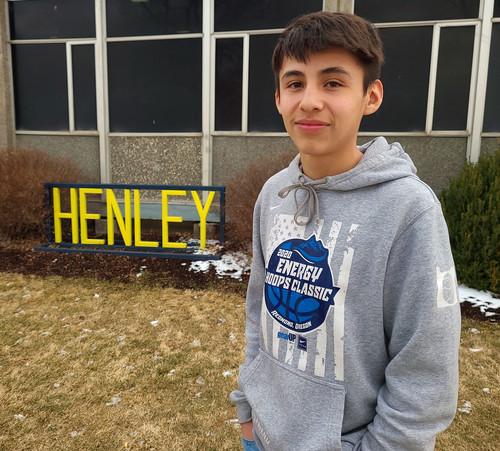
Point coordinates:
[[314, 32]]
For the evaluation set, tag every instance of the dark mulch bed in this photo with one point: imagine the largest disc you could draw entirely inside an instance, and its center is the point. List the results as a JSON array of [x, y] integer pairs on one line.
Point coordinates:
[[164, 272]]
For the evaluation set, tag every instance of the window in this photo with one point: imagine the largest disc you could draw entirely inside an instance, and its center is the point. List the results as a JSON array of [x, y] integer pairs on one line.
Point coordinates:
[[54, 82], [49, 19], [228, 84], [41, 95], [492, 107], [84, 87], [395, 11], [262, 113], [451, 103], [260, 14], [152, 17], [148, 92], [406, 79], [428, 68], [154, 84]]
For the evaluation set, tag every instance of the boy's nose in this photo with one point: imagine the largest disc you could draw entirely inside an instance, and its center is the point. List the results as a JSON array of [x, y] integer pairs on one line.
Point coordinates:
[[311, 99]]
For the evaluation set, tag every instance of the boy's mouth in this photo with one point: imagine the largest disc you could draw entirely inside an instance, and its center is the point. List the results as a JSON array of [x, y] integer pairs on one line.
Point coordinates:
[[310, 125]]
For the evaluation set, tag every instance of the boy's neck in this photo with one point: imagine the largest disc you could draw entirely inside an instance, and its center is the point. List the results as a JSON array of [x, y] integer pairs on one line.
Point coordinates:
[[320, 166]]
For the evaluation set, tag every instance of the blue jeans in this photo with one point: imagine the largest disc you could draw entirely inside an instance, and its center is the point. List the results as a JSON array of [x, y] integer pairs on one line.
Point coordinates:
[[249, 445]]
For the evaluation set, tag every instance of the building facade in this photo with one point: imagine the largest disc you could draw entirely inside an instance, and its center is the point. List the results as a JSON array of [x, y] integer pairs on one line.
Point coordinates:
[[181, 92]]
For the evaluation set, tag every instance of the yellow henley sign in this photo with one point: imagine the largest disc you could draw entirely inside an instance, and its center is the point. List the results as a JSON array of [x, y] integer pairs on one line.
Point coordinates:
[[124, 215]]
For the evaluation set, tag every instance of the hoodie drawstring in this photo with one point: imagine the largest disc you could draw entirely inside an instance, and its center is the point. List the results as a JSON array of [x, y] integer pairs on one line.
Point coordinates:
[[311, 201]]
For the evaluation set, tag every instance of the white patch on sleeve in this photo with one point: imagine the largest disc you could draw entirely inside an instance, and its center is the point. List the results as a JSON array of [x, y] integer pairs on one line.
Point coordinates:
[[447, 294]]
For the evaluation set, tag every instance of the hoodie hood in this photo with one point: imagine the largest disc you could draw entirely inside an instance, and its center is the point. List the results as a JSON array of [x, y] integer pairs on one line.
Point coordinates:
[[381, 162]]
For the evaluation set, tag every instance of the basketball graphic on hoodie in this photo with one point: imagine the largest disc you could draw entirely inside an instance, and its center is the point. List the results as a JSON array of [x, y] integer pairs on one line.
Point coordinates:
[[299, 287]]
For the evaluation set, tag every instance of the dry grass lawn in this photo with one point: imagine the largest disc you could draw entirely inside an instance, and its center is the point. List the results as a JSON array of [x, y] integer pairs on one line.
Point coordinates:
[[87, 364]]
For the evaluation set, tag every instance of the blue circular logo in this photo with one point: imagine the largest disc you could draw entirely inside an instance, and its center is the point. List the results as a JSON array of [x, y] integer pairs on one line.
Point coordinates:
[[299, 284]]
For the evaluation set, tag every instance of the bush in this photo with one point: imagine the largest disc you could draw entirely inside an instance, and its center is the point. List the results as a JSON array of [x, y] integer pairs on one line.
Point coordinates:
[[243, 190], [23, 173], [471, 209]]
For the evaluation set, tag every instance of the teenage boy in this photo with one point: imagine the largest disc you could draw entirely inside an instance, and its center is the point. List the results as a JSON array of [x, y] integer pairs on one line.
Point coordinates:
[[353, 320]]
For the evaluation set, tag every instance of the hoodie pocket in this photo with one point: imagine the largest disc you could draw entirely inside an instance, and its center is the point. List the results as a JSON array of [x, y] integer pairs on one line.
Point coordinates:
[[291, 410]]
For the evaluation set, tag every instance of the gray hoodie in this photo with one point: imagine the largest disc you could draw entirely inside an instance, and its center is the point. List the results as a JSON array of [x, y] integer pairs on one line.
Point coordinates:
[[353, 320]]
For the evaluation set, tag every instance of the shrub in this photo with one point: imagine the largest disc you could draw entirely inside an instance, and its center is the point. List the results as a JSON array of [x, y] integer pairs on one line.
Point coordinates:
[[471, 209], [243, 190], [23, 173]]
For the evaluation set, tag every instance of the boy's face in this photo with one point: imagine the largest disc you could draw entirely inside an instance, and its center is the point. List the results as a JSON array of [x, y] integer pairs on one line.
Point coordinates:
[[322, 102]]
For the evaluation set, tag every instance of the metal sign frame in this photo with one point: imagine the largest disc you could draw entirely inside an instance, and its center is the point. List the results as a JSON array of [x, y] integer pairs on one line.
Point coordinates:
[[120, 248]]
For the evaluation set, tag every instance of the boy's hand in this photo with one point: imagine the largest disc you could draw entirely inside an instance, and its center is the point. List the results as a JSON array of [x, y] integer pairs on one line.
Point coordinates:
[[247, 430]]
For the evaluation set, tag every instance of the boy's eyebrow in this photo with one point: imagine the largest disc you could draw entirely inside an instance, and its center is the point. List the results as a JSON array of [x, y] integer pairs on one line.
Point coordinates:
[[335, 70], [326, 71], [292, 73]]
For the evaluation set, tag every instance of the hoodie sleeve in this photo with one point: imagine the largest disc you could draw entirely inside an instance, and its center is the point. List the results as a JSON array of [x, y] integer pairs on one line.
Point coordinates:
[[253, 310], [422, 328]]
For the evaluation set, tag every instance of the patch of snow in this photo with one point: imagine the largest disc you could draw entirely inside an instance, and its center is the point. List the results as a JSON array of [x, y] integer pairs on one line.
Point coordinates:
[[196, 342], [232, 336], [20, 417], [487, 390], [482, 299], [232, 264], [475, 349], [96, 296], [474, 330], [114, 400], [76, 433], [228, 373], [57, 385], [171, 372], [198, 395], [154, 323], [465, 407]]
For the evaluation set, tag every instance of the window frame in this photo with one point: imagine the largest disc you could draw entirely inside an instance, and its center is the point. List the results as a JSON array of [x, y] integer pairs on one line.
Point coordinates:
[[478, 86], [69, 43], [477, 92], [431, 93], [245, 35]]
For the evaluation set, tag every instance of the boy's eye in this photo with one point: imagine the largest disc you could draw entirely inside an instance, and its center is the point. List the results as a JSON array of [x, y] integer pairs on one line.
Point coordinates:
[[332, 84], [294, 85]]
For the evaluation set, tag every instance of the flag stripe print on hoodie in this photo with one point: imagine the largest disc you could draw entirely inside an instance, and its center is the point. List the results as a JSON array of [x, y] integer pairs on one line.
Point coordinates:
[[353, 319]]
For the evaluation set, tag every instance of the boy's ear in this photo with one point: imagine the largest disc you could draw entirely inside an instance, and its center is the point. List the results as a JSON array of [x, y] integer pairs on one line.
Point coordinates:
[[277, 99], [374, 96]]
